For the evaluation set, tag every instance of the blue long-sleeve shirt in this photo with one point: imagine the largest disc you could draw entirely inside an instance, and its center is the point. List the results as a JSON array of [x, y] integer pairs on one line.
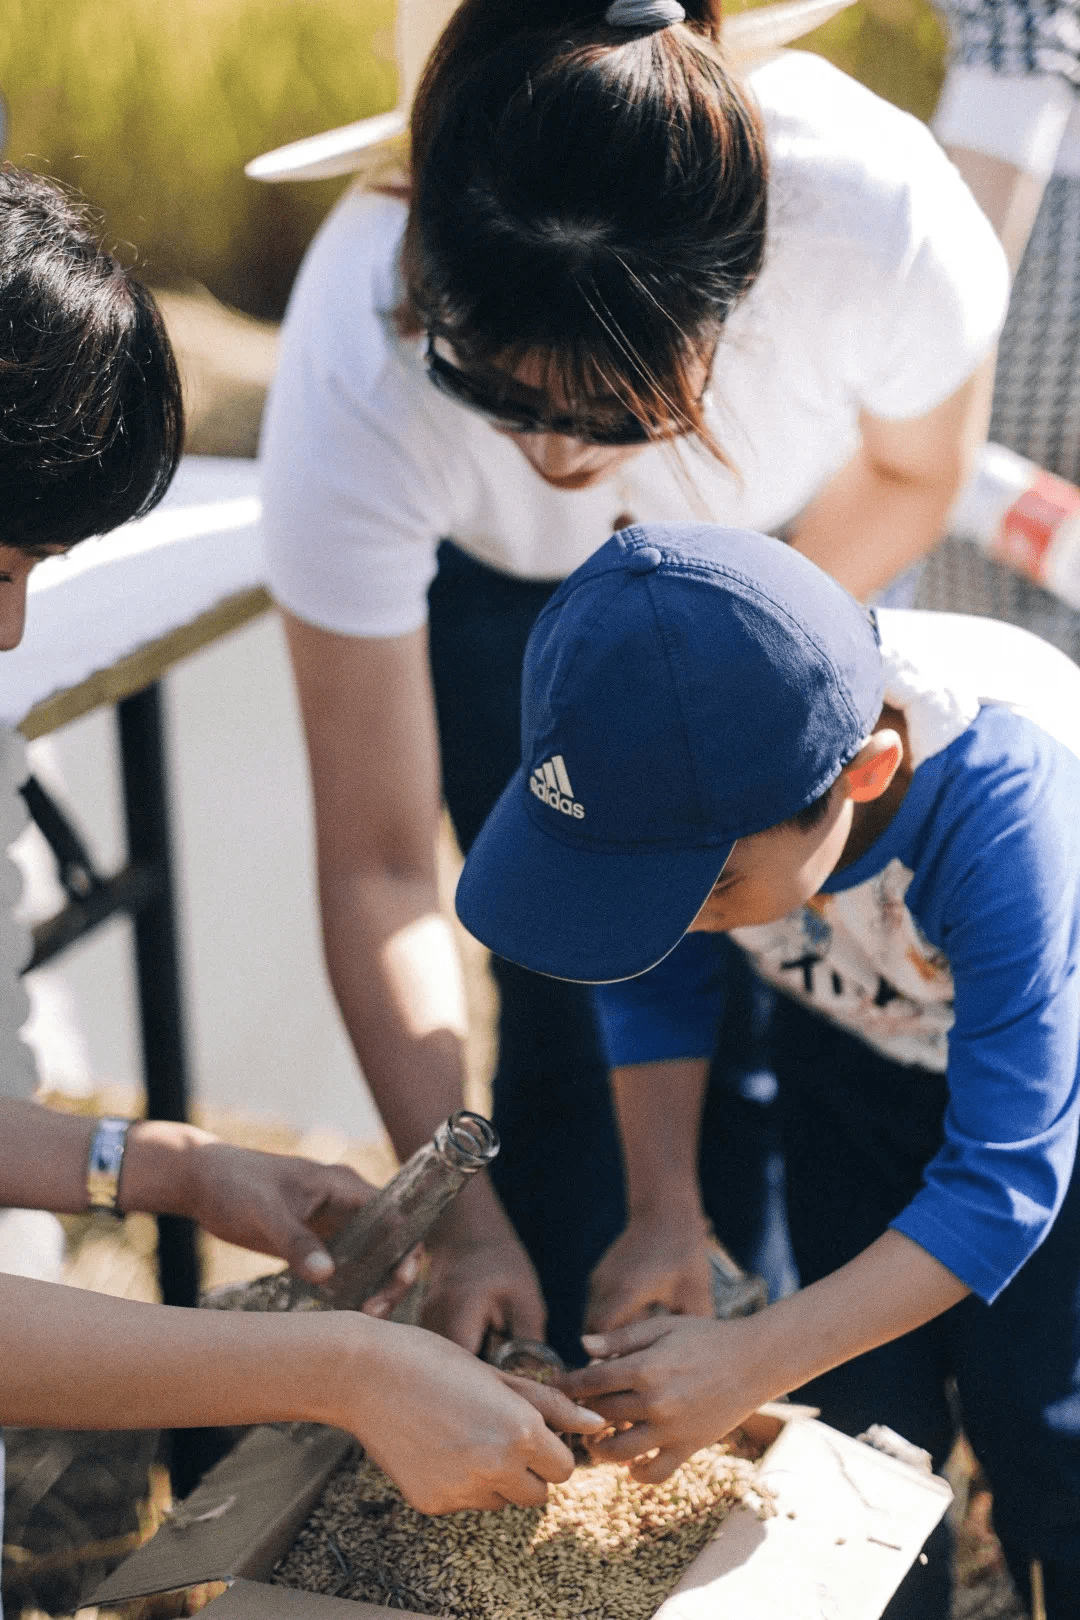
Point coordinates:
[[953, 944]]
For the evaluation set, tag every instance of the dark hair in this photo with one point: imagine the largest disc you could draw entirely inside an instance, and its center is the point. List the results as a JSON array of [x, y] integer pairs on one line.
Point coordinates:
[[91, 413], [591, 194], [813, 814]]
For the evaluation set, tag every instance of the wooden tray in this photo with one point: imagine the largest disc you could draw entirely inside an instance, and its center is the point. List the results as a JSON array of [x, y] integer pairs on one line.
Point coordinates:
[[849, 1523]]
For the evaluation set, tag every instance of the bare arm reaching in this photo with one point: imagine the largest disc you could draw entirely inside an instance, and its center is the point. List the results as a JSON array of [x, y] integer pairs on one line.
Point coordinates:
[[683, 1383], [369, 717], [661, 1257], [888, 506], [450, 1431]]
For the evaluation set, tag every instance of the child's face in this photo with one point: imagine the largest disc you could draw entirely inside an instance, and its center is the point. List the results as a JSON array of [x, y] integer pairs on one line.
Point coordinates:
[[15, 569], [775, 871]]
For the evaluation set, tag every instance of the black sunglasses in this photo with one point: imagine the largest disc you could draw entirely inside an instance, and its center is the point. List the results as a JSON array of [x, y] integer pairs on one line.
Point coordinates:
[[518, 417]]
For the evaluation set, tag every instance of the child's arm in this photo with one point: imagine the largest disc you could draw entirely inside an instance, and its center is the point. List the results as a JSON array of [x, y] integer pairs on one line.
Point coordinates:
[[684, 1382], [448, 1429], [658, 1032], [660, 1257]]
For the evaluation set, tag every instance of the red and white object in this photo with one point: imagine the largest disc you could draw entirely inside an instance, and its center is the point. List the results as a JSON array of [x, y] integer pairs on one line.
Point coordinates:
[[1024, 518]]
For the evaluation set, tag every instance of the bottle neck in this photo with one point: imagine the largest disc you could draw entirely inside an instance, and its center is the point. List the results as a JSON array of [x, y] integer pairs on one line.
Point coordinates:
[[466, 1142]]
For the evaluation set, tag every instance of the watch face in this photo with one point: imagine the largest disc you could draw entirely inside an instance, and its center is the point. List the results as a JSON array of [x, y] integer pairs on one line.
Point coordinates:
[[105, 1161]]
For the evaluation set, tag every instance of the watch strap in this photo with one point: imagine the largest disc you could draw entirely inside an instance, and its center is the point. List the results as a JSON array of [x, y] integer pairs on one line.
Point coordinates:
[[105, 1162]]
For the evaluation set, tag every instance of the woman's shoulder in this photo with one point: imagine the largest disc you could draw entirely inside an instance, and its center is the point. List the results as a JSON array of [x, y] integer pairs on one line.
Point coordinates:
[[348, 284], [355, 249], [805, 98], [845, 164]]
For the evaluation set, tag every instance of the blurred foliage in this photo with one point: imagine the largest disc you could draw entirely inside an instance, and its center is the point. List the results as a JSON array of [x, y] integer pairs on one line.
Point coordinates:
[[152, 107], [897, 47]]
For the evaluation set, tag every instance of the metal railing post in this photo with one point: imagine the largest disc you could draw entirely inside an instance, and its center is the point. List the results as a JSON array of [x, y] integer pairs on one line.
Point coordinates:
[[157, 956]]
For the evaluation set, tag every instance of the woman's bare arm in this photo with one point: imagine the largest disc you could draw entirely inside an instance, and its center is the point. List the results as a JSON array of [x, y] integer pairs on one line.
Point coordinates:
[[888, 506], [1009, 196], [273, 1203], [448, 1429], [369, 717]]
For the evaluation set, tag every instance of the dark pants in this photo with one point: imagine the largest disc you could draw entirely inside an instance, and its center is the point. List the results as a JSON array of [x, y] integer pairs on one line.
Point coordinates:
[[559, 1173], [857, 1131]]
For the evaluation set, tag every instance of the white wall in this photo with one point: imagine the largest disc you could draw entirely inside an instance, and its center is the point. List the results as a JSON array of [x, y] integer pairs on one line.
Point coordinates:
[[264, 1033]]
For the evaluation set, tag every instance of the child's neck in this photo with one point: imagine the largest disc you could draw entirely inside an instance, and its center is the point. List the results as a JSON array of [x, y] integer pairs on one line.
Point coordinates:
[[869, 821]]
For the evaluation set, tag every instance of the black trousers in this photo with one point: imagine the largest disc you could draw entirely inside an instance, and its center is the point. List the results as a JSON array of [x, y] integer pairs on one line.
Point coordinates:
[[559, 1173]]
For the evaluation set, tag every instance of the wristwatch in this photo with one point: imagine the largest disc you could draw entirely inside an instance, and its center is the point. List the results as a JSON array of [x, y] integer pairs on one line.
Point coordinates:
[[105, 1162]]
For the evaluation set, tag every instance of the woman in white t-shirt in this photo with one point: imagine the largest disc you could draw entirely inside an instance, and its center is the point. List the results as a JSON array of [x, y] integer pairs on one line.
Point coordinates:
[[624, 287]]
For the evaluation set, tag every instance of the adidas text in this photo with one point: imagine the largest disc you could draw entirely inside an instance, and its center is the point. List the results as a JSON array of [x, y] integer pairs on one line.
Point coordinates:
[[551, 785], [557, 801]]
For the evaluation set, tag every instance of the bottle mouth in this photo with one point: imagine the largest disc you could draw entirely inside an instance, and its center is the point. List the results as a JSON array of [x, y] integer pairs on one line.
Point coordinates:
[[467, 1141]]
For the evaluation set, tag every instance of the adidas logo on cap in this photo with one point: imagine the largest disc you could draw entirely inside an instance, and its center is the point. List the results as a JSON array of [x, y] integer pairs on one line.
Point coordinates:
[[551, 783]]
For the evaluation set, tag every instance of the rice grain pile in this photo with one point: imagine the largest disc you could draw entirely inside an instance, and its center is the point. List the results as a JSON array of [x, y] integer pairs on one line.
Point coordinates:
[[603, 1548]]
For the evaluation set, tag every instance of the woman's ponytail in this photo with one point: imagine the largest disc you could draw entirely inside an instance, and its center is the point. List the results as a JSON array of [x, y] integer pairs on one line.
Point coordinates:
[[587, 190], [479, 28]]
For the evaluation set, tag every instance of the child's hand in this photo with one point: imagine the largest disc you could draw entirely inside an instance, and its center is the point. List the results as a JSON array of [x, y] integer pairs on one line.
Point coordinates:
[[681, 1382], [659, 1260], [452, 1432], [280, 1205]]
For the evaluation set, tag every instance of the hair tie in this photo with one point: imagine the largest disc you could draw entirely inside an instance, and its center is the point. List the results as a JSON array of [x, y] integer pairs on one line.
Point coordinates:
[[652, 15]]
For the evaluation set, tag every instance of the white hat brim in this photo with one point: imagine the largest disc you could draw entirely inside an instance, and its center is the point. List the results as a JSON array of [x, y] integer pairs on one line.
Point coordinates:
[[353, 147], [336, 151]]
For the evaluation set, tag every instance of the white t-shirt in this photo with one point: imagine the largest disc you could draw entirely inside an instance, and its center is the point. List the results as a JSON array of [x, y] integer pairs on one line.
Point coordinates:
[[883, 288]]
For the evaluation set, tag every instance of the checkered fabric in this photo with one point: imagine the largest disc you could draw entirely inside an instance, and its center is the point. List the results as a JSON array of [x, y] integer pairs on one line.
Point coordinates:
[[1037, 385], [1015, 36]]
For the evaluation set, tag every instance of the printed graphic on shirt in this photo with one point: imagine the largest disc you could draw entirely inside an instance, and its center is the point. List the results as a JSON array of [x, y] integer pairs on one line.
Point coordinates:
[[860, 959]]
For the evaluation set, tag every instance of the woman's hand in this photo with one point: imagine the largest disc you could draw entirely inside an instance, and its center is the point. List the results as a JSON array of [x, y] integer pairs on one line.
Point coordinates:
[[451, 1432], [680, 1382], [280, 1205], [480, 1281], [660, 1260]]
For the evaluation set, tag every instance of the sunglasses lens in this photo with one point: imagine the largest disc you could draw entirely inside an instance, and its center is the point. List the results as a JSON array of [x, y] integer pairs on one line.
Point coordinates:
[[471, 392], [626, 431], [514, 417]]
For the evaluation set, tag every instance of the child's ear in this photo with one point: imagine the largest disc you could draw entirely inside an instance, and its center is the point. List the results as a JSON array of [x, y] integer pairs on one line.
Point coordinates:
[[874, 766]]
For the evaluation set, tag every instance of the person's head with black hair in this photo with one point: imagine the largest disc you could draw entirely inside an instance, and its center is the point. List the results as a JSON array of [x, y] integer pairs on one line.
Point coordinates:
[[91, 412], [588, 207]]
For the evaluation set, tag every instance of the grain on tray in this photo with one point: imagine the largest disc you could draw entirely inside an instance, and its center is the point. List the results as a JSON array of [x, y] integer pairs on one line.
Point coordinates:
[[603, 1548]]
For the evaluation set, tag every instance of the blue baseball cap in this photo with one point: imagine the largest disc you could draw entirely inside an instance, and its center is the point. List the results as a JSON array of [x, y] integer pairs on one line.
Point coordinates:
[[686, 687]]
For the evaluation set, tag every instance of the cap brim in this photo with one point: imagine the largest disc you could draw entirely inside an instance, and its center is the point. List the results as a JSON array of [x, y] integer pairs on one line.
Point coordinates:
[[591, 915]]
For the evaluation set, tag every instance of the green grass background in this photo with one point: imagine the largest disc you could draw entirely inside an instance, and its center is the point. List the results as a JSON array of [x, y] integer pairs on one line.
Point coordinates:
[[152, 107]]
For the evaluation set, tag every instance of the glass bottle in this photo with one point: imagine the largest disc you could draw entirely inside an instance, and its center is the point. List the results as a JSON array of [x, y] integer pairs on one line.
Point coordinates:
[[373, 1243]]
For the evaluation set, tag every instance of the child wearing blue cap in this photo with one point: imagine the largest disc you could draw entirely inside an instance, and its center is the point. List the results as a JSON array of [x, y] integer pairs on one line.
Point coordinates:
[[882, 812]]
